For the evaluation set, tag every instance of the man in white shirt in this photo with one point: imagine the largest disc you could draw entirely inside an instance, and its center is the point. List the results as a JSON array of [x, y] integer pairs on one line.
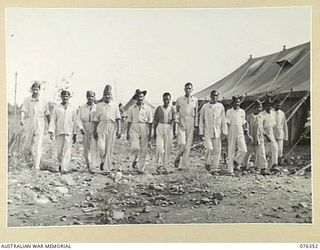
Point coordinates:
[[237, 148], [256, 139], [106, 128], [86, 114], [281, 128], [212, 125], [34, 111], [139, 130], [187, 119], [64, 125], [269, 124]]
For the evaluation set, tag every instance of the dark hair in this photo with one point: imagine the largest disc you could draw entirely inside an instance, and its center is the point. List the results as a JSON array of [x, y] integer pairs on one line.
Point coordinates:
[[36, 84], [64, 92], [166, 94], [213, 91], [188, 84], [90, 92]]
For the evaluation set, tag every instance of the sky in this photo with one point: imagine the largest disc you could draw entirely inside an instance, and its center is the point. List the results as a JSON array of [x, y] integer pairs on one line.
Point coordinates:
[[157, 50]]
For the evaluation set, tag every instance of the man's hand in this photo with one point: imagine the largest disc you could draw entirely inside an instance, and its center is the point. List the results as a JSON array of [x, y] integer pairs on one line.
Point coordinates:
[[268, 138], [196, 129], [128, 136], [118, 135], [82, 132], [202, 137], [224, 137], [51, 135], [250, 138], [95, 135], [74, 139]]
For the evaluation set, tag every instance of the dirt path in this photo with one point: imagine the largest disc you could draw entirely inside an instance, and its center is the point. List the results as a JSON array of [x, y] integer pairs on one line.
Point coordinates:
[[45, 198]]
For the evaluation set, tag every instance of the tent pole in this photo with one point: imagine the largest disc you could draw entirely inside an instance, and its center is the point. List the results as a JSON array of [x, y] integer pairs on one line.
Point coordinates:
[[298, 106], [303, 134]]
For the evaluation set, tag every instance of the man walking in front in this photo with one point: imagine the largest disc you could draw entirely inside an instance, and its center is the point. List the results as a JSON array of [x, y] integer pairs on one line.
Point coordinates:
[[256, 139], [281, 129], [269, 124], [213, 127], [139, 130], [164, 118], [187, 119], [106, 128], [34, 111], [86, 115], [237, 148], [64, 126]]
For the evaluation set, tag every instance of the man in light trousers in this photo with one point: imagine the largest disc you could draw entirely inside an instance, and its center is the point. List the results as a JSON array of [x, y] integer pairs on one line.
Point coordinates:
[[34, 111], [164, 118], [107, 128], [256, 139], [281, 129], [139, 130], [269, 124], [64, 127], [237, 148], [187, 119], [86, 114], [212, 125]]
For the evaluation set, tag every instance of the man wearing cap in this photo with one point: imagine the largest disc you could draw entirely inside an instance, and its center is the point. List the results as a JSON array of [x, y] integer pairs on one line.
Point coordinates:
[[64, 125], [34, 111], [139, 130], [164, 118], [106, 128], [187, 119], [256, 141], [269, 124], [86, 114], [237, 148], [281, 128], [212, 125]]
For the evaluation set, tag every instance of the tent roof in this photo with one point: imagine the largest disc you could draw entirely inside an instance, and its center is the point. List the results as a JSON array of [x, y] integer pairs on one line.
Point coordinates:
[[279, 73]]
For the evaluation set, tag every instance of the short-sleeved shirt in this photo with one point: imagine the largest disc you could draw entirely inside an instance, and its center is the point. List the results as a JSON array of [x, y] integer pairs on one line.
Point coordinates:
[[107, 112], [164, 115], [281, 129], [142, 114], [236, 117], [35, 108], [269, 123], [187, 107], [63, 120], [87, 112]]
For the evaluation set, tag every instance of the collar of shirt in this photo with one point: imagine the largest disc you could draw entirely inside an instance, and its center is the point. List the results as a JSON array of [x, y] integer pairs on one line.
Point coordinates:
[[92, 105], [34, 99], [142, 106]]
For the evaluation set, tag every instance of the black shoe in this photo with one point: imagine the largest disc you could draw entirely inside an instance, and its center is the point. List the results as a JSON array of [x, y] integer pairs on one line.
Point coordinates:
[[177, 162], [275, 168], [60, 169], [265, 172], [134, 164], [101, 166], [207, 167]]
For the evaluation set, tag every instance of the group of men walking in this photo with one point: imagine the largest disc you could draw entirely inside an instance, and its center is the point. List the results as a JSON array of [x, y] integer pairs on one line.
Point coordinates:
[[260, 133]]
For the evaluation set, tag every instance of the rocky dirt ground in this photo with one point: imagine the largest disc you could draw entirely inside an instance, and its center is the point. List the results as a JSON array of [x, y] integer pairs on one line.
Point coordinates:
[[47, 198]]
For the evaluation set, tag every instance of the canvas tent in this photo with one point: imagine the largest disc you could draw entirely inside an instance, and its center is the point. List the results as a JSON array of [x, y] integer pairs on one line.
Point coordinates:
[[287, 71]]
